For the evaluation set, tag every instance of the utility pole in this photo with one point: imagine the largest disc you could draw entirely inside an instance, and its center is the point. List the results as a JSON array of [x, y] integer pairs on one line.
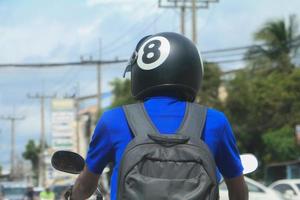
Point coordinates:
[[194, 5], [42, 136], [194, 22], [182, 19], [77, 116], [98, 87], [12, 119], [99, 80]]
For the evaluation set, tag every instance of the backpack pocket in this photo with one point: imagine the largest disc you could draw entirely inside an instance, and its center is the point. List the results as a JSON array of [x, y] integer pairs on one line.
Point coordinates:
[[154, 179], [155, 168]]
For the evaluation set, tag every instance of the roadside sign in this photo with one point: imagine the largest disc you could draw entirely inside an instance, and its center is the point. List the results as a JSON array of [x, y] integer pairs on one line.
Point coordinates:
[[63, 124]]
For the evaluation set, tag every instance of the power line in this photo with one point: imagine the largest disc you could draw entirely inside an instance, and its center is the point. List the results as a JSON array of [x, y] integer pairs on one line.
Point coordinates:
[[67, 79], [296, 39], [121, 36], [293, 44], [234, 60], [145, 28], [224, 55], [116, 61], [40, 65], [232, 49], [96, 62]]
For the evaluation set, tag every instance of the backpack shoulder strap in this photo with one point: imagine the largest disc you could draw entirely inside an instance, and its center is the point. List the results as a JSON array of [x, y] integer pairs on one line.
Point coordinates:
[[194, 120], [138, 120]]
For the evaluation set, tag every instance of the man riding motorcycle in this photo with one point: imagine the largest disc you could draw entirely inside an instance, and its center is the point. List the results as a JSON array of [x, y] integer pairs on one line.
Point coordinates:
[[166, 73]]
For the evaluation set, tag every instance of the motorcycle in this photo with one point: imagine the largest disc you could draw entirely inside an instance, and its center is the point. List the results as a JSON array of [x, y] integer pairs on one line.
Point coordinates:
[[73, 163]]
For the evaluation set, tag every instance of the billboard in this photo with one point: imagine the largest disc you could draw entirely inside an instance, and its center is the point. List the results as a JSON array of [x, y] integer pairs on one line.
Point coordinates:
[[63, 124]]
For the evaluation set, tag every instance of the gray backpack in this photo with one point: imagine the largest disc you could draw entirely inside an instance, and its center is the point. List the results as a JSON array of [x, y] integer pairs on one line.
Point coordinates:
[[158, 166]]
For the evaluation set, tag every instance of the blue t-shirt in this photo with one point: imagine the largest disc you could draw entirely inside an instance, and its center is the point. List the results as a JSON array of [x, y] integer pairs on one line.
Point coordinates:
[[112, 134]]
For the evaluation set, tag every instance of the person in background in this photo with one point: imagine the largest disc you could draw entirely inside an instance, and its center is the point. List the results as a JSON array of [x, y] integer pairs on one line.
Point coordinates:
[[47, 194], [29, 194]]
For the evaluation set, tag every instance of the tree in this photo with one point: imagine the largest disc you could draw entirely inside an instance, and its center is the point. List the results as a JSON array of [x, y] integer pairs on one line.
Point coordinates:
[[32, 154], [263, 99], [281, 41], [121, 92], [209, 92], [280, 145], [263, 110]]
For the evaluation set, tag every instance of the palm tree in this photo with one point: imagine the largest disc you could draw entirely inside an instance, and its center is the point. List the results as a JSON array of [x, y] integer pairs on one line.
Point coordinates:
[[281, 42]]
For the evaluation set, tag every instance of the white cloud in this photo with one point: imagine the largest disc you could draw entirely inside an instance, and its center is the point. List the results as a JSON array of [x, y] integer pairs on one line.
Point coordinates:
[[87, 30], [134, 10], [48, 40], [31, 40]]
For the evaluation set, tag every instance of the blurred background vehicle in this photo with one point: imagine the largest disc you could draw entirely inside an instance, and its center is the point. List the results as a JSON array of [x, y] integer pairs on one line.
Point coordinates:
[[289, 188], [13, 190], [257, 191]]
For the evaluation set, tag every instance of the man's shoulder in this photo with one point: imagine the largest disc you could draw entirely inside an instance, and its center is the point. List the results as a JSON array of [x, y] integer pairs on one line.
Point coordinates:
[[212, 112], [113, 113], [216, 117]]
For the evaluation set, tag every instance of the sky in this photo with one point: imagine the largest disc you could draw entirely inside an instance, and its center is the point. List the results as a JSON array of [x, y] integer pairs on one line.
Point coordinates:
[[35, 31]]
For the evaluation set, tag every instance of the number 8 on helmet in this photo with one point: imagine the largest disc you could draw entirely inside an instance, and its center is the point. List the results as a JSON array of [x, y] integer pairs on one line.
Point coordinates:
[[165, 63]]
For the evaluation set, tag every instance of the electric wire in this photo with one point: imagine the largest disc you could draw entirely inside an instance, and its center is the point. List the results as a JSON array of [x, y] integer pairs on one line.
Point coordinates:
[[95, 62], [113, 43], [144, 29]]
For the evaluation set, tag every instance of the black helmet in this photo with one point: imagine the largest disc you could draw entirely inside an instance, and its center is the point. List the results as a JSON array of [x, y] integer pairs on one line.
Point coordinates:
[[165, 63]]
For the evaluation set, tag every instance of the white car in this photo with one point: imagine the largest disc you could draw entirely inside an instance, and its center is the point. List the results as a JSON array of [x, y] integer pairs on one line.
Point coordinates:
[[289, 188], [257, 191]]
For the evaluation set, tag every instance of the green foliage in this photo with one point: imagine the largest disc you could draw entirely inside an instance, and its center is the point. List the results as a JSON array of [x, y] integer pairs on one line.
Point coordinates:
[[280, 145], [0, 169], [281, 40], [261, 107], [32, 154], [121, 92], [263, 101], [209, 92]]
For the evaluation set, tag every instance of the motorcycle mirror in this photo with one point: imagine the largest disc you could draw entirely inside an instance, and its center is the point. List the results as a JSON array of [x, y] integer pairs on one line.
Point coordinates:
[[67, 161], [249, 162]]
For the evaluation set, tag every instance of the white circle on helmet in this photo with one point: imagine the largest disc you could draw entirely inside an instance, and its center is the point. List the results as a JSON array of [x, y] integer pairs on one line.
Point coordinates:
[[153, 53]]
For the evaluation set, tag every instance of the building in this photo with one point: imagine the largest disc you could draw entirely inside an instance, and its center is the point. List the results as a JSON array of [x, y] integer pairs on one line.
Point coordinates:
[[282, 170]]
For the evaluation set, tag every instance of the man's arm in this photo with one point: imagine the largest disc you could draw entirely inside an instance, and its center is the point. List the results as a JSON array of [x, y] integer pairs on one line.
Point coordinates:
[[100, 153], [237, 188], [85, 185], [229, 162]]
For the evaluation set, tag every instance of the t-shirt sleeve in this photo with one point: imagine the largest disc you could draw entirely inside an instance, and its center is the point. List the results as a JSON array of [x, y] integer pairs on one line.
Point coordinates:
[[100, 151], [227, 156]]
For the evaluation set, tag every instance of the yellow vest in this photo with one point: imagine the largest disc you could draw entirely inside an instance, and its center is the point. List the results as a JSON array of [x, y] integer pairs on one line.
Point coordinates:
[[47, 196]]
